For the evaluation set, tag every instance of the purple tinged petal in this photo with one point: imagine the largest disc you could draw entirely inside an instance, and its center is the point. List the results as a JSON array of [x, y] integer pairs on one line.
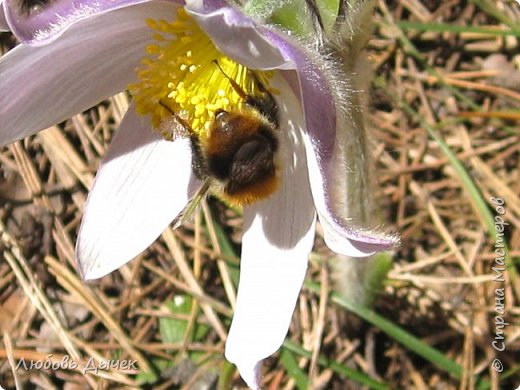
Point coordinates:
[[93, 60], [3, 22], [251, 374], [339, 235], [316, 95], [236, 35], [45, 21], [143, 183], [279, 234], [320, 138]]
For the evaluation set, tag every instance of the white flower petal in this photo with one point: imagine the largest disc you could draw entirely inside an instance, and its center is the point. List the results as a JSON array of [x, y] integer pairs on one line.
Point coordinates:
[[339, 236], [278, 239], [91, 61], [251, 373], [143, 184]]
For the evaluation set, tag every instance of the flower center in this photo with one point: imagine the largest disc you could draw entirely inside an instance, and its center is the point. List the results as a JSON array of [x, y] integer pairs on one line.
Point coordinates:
[[185, 73]]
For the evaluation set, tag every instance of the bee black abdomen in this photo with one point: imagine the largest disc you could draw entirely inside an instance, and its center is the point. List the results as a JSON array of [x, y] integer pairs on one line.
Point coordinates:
[[269, 135], [239, 155], [218, 166], [252, 163]]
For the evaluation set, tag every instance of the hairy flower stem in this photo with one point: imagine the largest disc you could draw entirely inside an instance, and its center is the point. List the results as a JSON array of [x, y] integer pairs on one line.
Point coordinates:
[[356, 279]]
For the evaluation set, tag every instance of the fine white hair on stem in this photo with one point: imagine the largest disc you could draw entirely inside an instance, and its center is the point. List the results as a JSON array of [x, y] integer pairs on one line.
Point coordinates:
[[340, 58], [339, 54], [351, 33]]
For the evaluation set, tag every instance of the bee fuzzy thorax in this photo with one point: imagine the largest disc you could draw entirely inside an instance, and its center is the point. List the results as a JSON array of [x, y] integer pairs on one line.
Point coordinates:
[[240, 153], [233, 128]]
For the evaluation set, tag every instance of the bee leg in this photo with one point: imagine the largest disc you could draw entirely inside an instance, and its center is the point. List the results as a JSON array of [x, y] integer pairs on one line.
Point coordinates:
[[197, 162], [266, 104], [234, 84], [259, 84], [182, 122]]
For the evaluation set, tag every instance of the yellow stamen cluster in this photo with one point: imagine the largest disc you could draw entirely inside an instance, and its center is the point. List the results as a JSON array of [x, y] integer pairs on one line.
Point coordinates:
[[180, 72]]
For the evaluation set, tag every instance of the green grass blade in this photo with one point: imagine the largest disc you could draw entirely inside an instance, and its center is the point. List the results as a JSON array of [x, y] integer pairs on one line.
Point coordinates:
[[411, 342], [491, 9], [479, 204], [455, 29], [226, 376], [227, 250], [337, 367], [416, 54], [288, 360]]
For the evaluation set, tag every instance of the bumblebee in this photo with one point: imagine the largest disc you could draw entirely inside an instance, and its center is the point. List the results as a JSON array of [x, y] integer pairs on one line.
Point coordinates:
[[237, 160]]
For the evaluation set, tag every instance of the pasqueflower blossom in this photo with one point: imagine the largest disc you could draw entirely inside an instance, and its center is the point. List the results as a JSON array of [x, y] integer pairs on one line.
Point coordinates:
[[75, 53]]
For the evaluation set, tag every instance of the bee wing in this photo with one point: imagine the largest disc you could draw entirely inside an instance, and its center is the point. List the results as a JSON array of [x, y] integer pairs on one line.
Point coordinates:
[[251, 163], [192, 205]]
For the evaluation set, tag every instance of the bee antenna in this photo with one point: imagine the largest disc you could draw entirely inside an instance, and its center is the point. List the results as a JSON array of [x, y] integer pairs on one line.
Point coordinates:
[[183, 123], [234, 84]]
